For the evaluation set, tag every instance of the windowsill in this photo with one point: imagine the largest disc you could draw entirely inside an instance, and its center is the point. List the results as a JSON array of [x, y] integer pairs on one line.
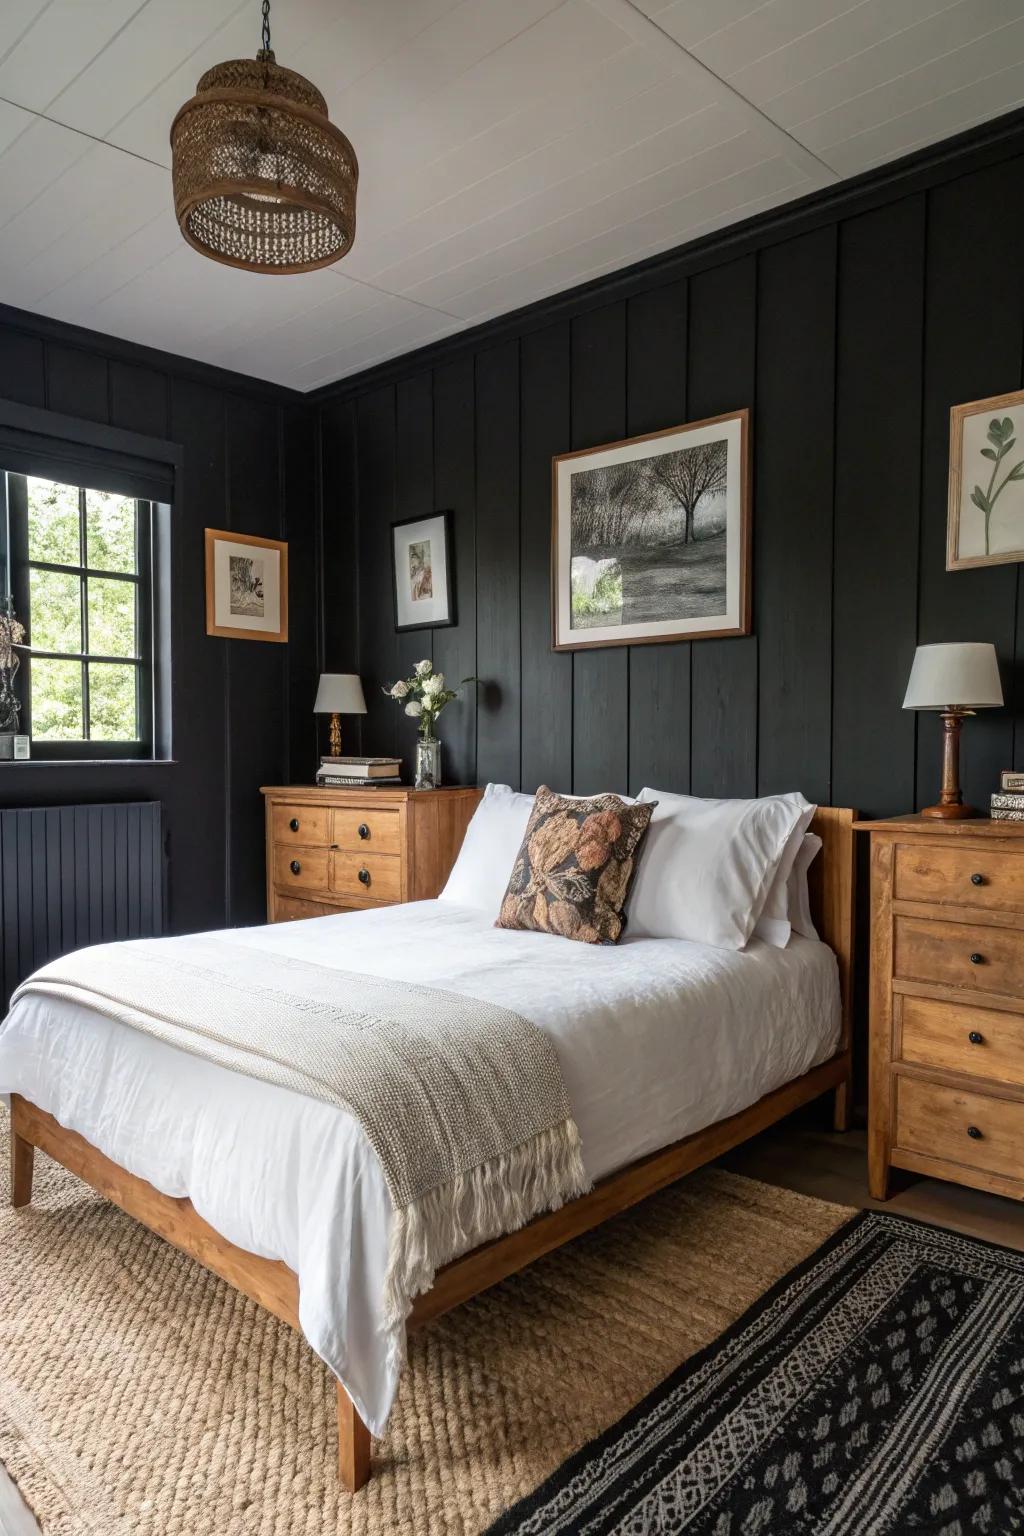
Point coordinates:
[[88, 762]]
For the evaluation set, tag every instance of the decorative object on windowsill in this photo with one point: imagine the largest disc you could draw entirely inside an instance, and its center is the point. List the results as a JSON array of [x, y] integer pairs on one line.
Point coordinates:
[[13, 745], [421, 569], [262, 178], [339, 693], [954, 679], [246, 586], [424, 695], [985, 523], [651, 537]]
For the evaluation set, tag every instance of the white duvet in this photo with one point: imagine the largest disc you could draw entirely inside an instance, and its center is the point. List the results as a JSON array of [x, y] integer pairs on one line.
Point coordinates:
[[657, 1038]]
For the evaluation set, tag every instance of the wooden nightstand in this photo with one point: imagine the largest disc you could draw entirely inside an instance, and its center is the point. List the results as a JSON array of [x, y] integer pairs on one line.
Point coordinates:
[[946, 1094], [333, 850]]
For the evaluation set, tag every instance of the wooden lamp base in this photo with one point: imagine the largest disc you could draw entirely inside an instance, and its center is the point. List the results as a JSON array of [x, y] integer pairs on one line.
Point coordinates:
[[950, 805]]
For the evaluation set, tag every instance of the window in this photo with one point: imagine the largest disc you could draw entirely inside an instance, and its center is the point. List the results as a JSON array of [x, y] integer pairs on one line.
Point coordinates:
[[81, 572]]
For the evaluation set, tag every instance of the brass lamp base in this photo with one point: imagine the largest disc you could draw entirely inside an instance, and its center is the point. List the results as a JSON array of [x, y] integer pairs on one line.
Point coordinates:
[[950, 805], [335, 735]]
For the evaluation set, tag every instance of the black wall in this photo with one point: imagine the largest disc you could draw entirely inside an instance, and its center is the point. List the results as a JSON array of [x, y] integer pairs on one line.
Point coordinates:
[[249, 464], [850, 324]]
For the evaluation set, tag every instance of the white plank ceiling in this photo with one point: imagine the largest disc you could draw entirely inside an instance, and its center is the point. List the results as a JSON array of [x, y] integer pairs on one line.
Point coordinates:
[[508, 148]]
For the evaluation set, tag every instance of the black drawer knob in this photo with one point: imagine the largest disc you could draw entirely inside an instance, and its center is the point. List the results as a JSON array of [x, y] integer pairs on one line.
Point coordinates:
[[364, 876], [974, 1133], [977, 879], [364, 830], [295, 867], [976, 1037], [294, 823], [977, 959]]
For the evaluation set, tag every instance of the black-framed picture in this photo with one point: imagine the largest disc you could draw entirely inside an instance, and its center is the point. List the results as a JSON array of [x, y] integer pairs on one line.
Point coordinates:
[[421, 569]]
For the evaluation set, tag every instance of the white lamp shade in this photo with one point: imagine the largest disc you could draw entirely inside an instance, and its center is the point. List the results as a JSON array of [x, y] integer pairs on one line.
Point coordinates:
[[964, 675], [339, 693]]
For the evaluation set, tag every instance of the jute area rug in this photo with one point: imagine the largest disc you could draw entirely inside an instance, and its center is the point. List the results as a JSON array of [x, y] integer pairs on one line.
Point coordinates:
[[140, 1396]]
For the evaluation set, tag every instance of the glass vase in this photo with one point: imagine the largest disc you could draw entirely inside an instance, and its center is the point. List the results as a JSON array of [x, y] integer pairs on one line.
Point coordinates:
[[428, 763]]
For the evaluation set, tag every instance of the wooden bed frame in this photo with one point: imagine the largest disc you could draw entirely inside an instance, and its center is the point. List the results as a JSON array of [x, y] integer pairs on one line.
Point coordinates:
[[275, 1286]]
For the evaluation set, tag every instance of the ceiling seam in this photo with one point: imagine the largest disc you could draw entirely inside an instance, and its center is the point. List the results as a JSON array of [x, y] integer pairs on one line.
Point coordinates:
[[640, 25]]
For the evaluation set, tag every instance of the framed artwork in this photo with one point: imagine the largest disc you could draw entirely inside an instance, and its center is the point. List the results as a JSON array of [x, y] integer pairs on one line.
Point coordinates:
[[246, 586], [651, 537], [985, 523], [421, 571]]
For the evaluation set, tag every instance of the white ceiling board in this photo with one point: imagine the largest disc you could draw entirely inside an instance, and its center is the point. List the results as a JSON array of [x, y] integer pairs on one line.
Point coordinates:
[[508, 148]]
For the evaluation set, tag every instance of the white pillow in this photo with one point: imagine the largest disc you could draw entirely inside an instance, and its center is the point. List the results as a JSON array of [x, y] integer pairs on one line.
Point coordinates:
[[774, 925], [707, 865], [493, 838], [799, 896]]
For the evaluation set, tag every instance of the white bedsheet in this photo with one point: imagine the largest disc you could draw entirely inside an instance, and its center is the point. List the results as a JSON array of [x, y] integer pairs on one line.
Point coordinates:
[[657, 1038]]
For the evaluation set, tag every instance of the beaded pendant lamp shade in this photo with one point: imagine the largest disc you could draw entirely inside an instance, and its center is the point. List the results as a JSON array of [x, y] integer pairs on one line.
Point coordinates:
[[262, 178]]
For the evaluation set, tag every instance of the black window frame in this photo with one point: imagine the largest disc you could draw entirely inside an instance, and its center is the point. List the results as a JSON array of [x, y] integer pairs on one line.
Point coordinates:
[[85, 748]]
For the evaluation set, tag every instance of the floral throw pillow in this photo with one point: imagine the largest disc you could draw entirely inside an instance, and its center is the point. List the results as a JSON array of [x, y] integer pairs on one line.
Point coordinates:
[[574, 869]]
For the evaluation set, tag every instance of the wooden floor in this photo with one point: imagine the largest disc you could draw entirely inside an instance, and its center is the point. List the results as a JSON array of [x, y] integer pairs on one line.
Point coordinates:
[[800, 1154]]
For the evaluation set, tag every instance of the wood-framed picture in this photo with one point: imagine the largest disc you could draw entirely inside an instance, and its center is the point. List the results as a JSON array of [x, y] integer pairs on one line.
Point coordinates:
[[246, 586], [985, 521], [421, 572], [651, 537]]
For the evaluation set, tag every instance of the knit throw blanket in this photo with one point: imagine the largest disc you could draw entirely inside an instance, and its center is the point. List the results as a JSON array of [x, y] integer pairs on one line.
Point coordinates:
[[462, 1101]]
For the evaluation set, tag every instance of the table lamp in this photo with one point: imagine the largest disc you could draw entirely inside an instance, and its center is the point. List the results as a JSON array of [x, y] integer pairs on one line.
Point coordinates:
[[339, 693], [956, 680]]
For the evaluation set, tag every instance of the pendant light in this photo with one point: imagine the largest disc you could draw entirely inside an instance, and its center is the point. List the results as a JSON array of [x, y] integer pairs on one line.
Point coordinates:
[[262, 178]]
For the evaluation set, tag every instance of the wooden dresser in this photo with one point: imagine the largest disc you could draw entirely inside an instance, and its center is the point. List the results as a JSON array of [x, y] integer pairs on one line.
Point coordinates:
[[946, 1094], [331, 850]]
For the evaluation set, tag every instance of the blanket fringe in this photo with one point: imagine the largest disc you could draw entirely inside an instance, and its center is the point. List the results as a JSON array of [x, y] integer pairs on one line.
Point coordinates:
[[487, 1201]]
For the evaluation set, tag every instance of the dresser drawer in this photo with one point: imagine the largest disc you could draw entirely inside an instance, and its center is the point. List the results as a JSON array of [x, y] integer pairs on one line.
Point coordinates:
[[958, 1037], [958, 1126], [291, 909], [308, 825], [376, 831], [301, 869], [373, 876], [983, 958], [991, 879]]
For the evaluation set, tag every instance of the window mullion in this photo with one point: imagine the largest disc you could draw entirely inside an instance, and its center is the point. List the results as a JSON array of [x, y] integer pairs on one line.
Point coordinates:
[[84, 600]]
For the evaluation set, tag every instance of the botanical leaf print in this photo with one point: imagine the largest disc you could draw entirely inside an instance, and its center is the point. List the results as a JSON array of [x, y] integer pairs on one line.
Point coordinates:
[[574, 869]]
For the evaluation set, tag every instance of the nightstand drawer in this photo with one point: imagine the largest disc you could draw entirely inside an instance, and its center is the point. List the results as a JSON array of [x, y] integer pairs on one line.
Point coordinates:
[[377, 831], [958, 1037], [963, 877], [303, 869], [373, 876], [971, 1129], [291, 909], [305, 824], [983, 958]]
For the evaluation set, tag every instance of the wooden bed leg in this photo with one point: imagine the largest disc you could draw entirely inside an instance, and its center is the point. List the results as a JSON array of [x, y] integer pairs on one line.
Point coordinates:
[[842, 1106], [22, 1159], [353, 1445]]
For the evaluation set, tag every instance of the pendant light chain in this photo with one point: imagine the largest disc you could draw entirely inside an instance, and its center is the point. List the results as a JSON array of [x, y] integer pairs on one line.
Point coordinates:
[[265, 51]]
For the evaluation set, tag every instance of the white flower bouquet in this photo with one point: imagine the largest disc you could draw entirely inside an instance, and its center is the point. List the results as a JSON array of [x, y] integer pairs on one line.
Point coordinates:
[[424, 695]]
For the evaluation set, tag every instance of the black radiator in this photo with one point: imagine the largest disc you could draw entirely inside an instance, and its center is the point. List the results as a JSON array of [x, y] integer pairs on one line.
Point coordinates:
[[73, 875]]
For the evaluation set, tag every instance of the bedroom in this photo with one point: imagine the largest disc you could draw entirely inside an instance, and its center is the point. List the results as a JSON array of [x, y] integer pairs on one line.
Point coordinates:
[[788, 238]]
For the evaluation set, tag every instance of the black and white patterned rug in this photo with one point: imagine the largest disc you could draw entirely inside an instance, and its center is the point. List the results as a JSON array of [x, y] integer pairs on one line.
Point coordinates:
[[879, 1387]]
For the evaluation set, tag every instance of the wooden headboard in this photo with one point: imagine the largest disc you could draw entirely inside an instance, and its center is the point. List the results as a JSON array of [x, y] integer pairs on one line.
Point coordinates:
[[832, 886]]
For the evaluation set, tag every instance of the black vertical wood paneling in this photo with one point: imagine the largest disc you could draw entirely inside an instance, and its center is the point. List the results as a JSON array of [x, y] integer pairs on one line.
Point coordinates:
[[600, 711], [546, 674], [76, 875], [138, 398], [77, 382], [880, 334], [497, 552], [300, 528], [336, 559], [22, 367], [256, 669], [659, 675], [793, 465], [414, 497], [974, 322], [720, 374], [375, 455], [455, 492]]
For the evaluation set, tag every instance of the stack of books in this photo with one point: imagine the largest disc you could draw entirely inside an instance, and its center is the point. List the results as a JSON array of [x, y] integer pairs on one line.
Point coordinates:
[[359, 772], [1008, 804]]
